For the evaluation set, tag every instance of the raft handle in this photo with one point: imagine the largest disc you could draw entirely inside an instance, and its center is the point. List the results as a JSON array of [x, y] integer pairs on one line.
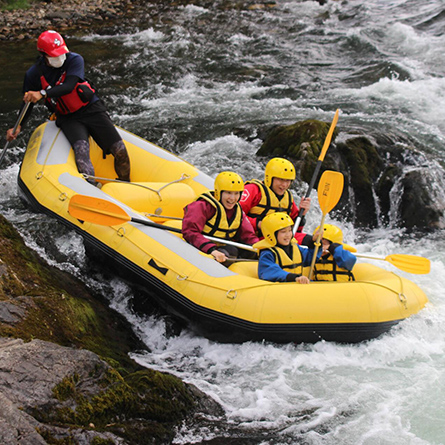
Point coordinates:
[[232, 294], [402, 299]]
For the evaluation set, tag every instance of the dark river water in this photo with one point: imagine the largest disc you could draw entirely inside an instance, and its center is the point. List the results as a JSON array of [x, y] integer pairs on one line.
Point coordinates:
[[203, 82]]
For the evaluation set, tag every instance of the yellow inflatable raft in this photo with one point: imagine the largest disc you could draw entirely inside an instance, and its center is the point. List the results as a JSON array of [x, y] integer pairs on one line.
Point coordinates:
[[225, 304]]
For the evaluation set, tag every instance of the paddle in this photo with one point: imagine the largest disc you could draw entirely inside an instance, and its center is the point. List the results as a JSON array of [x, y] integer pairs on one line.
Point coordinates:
[[408, 263], [329, 192], [326, 144], [19, 121], [106, 213]]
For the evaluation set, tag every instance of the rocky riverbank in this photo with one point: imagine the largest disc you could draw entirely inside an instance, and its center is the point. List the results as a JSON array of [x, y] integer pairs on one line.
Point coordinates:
[[68, 16], [65, 374], [96, 15]]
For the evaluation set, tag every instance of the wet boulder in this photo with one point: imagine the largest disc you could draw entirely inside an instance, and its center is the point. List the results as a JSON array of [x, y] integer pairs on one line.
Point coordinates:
[[65, 371], [386, 179]]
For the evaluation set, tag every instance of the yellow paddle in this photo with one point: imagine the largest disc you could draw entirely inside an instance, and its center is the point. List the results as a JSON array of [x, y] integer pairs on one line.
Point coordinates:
[[326, 144], [106, 213], [408, 263], [330, 189]]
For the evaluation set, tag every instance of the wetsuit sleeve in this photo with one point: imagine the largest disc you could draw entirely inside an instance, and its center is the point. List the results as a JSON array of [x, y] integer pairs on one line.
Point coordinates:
[[342, 257], [196, 215], [66, 88], [269, 270], [250, 198], [305, 239]]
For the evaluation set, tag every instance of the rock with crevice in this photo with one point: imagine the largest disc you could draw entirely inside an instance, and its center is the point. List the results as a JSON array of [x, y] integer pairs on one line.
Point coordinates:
[[387, 181]]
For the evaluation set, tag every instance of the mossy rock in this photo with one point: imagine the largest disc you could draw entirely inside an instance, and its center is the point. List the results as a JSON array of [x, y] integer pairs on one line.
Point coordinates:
[[301, 142], [143, 407], [57, 306]]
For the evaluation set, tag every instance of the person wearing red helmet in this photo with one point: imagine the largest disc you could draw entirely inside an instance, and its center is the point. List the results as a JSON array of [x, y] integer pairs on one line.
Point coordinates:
[[58, 78]]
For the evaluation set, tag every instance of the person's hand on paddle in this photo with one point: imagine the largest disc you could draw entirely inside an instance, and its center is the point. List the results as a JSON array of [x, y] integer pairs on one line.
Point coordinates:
[[32, 96], [302, 280], [10, 135], [325, 246], [305, 204], [219, 256]]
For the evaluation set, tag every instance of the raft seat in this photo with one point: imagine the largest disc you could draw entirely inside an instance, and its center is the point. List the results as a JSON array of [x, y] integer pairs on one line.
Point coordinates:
[[158, 199], [247, 268]]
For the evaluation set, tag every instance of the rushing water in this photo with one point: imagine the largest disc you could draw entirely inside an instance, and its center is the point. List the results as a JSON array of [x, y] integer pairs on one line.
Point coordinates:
[[203, 81]]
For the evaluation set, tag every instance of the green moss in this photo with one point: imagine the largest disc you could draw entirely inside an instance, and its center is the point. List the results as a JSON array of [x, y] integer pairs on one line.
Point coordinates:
[[51, 440], [66, 388], [146, 403], [301, 142], [130, 401], [101, 441], [59, 309], [287, 140]]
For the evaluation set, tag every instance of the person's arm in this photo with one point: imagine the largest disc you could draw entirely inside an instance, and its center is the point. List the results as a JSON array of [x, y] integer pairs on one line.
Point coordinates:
[[196, 215], [65, 88], [246, 233], [269, 270], [250, 197], [342, 257]]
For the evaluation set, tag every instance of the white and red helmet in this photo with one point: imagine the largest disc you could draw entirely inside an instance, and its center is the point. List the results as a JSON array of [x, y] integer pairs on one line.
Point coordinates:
[[52, 44]]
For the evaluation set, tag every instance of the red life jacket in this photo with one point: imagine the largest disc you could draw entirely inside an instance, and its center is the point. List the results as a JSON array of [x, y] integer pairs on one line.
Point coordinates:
[[73, 101]]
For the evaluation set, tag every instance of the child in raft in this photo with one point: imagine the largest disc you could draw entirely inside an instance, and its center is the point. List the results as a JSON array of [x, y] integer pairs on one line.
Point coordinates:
[[337, 261], [218, 214], [281, 258]]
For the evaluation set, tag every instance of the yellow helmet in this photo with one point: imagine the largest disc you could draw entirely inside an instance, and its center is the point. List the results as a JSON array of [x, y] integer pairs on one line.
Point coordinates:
[[331, 233], [278, 168], [334, 235], [229, 182], [273, 222]]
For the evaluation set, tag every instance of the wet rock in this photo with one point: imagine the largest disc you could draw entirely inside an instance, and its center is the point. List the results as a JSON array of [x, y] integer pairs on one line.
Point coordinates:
[[418, 206], [65, 372], [386, 182]]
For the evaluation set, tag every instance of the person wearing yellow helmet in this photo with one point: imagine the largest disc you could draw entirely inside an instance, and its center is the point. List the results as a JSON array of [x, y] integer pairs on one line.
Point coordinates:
[[58, 80], [337, 261], [281, 258], [218, 214], [260, 198]]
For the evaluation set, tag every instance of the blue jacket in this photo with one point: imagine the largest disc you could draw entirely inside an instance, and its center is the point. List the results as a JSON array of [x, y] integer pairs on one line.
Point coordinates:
[[269, 270]]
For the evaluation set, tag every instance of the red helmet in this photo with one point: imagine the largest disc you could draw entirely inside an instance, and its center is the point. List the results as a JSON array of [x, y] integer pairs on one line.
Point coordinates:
[[52, 44]]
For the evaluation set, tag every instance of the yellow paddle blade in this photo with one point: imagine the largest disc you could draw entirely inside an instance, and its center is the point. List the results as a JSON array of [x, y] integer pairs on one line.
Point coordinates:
[[410, 263], [97, 211], [329, 190], [327, 141]]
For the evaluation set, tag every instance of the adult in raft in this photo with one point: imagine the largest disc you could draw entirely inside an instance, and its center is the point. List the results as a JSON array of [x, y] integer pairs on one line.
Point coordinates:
[[337, 261], [261, 198], [58, 78], [218, 214]]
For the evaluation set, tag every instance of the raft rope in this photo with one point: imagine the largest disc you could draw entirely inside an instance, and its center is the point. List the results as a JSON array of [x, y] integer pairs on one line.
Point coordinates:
[[400, 294], [183, 177]]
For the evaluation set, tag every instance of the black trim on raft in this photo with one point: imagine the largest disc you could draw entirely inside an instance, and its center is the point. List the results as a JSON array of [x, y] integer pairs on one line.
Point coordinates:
[[215, 325]]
